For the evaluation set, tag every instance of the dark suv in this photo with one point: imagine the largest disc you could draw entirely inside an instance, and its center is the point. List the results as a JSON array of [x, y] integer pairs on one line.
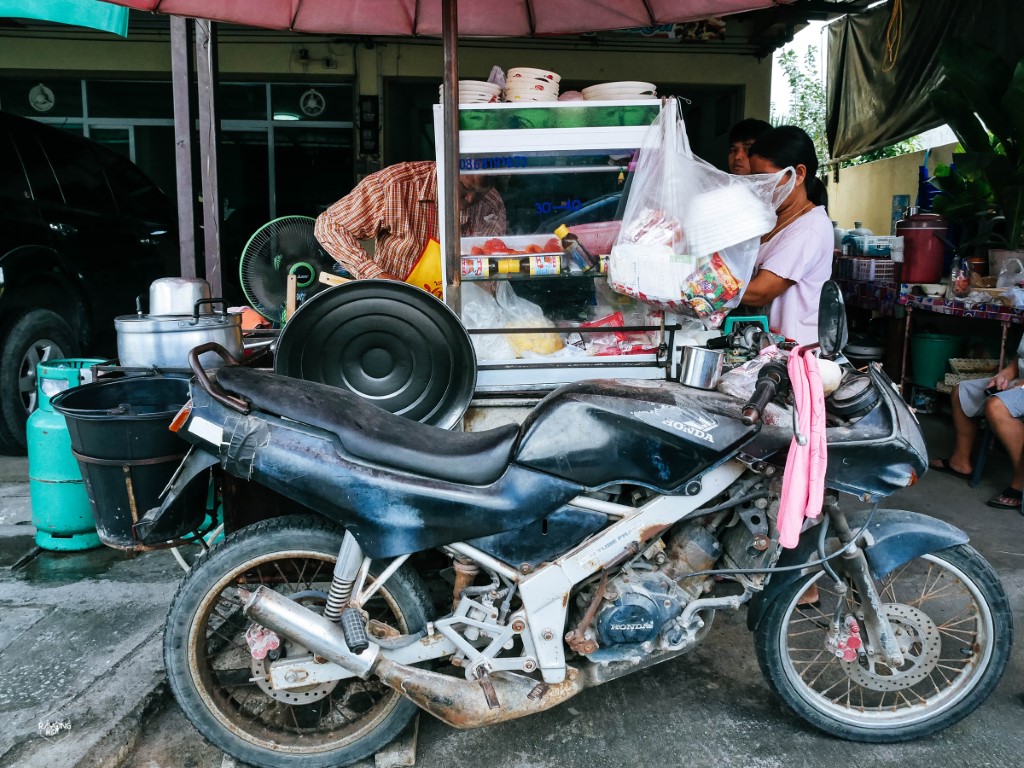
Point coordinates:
[[82, 233]]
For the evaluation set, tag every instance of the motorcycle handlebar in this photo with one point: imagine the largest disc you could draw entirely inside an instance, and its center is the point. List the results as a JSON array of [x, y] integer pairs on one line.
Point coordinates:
[[769, 381], [213, 389]]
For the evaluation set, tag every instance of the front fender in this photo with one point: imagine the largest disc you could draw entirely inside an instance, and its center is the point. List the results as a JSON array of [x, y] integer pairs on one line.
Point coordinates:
[[895, 537]]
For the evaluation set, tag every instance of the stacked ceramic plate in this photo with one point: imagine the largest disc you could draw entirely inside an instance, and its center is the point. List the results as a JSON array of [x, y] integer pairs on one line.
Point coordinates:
[[475, 92], [626, 89], [528, 84]]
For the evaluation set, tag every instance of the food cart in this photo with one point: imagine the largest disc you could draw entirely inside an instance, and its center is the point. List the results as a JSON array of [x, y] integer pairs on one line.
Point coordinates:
[[536, 319]]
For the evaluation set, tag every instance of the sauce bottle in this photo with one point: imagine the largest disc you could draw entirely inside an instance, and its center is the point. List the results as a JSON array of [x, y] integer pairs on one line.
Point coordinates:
[[578, 255]]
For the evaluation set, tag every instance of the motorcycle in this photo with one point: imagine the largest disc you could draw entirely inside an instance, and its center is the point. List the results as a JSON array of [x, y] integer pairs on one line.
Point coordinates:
[[488, 576]]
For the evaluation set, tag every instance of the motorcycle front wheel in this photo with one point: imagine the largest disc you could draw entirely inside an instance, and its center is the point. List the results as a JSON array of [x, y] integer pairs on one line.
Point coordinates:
[[954, 627], [225, 692]]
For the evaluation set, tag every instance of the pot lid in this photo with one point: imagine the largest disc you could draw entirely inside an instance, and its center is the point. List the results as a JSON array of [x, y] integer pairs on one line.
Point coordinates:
[[923, 221], [389, 342], [163, 322]]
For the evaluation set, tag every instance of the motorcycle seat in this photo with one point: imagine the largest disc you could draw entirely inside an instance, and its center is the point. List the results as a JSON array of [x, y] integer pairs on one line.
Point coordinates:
[[374, 434]]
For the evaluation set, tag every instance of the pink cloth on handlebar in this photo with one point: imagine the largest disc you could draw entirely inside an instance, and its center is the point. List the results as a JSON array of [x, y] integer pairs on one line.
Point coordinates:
[[803, 485]]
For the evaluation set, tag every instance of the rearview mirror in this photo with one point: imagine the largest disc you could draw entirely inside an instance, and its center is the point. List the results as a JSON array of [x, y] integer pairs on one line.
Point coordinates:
[[832, 333]]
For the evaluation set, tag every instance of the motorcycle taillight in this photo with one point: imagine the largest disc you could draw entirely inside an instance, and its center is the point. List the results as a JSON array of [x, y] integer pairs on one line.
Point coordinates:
[[181, 417]]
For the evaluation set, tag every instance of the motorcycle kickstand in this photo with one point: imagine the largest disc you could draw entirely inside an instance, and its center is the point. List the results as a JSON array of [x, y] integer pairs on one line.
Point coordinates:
[[854, 565]]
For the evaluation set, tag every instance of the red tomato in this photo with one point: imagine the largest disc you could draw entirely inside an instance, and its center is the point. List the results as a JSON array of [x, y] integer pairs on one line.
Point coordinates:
[[534, 249], [554, 245], [476, 250], [494, 245]]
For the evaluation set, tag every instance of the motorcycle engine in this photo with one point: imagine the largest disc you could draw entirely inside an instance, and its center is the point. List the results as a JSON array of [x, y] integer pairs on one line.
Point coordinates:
[[636, 608], [640, 605]]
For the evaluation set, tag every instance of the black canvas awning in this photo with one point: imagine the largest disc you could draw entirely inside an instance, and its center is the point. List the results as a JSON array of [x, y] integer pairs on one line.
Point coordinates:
[[869, 107]]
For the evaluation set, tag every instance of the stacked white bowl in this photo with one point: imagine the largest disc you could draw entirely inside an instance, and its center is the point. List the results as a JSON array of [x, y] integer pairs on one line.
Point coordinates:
[[625, 89], [475, 92], [529, 84]]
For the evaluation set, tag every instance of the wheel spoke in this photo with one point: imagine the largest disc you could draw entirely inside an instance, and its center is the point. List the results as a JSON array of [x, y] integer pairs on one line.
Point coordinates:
[[235, 678]]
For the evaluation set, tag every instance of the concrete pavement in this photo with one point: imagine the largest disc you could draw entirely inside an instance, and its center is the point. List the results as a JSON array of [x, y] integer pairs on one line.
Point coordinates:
[[80, 641]]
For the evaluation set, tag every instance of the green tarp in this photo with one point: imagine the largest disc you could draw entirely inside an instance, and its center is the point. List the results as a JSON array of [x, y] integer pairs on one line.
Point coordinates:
[[870, 106], [80, 13]]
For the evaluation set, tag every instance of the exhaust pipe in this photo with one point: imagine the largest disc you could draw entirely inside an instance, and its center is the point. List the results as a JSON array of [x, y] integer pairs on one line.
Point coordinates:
[[457, 701], [310, 630], [466, 703]]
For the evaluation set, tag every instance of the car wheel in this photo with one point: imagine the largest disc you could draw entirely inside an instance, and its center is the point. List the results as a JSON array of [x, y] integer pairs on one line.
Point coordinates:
[[34, 337]]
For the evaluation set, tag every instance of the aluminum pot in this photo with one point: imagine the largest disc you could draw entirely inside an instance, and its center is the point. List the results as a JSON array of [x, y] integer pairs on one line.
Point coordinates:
[[176, 295], [164, 341], [702, 367]]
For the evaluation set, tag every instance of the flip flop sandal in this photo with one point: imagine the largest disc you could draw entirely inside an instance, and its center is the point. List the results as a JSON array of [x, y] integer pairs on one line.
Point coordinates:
[[1008, 498], [944, 467]]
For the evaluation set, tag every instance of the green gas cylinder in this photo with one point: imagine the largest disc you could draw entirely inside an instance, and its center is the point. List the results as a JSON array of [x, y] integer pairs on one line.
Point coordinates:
[[60, 504]]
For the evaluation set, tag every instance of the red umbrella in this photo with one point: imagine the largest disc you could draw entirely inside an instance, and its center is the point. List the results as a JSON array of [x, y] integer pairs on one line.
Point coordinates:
[[476, 18], [450, 19]]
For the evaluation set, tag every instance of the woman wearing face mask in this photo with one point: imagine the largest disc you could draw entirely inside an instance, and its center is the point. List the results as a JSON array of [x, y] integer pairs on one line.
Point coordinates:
[[795, 258]]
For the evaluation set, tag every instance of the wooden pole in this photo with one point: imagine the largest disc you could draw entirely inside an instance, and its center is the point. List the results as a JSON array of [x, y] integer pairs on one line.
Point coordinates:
[[450, 99], [181, 80], [206, 70]]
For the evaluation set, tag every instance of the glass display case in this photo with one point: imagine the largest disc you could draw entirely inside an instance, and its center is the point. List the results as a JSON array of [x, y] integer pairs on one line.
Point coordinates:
[[539, 317]]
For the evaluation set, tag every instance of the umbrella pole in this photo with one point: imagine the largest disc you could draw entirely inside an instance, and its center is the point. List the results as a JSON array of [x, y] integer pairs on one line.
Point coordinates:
[[452, 233], [182, 71]]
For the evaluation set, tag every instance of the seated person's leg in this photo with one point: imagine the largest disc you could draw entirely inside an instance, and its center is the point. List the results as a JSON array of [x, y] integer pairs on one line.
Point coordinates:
[[1004, 412], [966, 404]]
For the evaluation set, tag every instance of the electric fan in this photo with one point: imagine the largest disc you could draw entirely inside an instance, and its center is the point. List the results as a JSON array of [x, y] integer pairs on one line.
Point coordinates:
[[280, 248]]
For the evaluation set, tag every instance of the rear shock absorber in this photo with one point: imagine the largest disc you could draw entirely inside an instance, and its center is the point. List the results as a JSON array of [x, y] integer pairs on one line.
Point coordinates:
[[350, 557]]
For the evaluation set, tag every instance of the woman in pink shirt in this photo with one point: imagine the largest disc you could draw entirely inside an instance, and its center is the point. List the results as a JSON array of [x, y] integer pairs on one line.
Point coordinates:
[[795, 258]]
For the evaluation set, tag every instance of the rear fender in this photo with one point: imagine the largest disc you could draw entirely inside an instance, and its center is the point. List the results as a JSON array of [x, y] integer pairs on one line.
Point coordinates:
[[895, 536], [178, 514]]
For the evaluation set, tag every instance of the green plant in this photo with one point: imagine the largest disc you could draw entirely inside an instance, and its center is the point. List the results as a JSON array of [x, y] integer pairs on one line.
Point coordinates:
[[982, 100], [807, 109], [967, 201]]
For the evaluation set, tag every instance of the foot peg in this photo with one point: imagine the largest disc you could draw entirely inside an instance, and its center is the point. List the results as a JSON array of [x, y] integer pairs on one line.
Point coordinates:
[[355, 630]]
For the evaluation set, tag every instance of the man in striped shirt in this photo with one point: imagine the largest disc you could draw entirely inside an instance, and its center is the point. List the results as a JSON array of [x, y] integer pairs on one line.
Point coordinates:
[[397, 207]]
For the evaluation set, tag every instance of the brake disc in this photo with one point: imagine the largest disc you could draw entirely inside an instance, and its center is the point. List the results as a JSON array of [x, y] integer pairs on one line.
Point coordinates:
[[291, 650], [918, 639]]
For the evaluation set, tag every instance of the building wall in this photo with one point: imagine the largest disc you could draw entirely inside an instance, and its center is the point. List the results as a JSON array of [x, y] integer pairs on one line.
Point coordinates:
[[240, 56], [865, 192]]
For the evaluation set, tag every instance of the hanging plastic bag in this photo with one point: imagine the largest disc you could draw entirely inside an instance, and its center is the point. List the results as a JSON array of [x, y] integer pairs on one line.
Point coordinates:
[[690, 232], [1011, 274], [481, 310]]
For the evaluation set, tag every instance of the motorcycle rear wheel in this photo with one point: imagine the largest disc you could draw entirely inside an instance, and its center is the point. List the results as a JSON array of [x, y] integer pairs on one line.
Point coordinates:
[[955, 630], [209, 666]]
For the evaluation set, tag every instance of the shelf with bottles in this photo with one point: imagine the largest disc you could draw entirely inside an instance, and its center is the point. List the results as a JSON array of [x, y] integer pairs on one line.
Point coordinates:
[[527, 256], [485, 269]]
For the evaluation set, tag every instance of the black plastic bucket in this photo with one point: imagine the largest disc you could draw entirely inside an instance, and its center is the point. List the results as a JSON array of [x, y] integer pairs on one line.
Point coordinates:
[[119, 434]]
